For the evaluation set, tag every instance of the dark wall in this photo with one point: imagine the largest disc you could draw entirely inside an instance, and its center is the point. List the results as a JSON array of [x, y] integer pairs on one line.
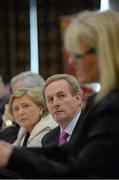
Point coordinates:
[[49, 14], [14, 36], [15, 39]]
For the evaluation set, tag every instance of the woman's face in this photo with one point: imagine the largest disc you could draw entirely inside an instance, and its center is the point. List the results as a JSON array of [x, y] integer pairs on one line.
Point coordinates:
[[86, 67], [26, 112]]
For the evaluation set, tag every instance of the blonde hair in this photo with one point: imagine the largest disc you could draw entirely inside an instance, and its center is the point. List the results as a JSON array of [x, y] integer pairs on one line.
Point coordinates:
[[35, 95], [98, 30]]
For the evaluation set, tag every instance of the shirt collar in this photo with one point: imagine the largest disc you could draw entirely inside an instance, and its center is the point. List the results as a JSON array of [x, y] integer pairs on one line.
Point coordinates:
[[69, 129]]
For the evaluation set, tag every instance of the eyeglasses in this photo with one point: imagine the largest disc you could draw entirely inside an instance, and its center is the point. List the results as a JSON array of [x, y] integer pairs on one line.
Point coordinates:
[[77, 56]]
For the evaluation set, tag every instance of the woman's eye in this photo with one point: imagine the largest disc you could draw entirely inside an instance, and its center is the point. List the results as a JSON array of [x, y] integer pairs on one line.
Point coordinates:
[[15, 109], [25, 106]]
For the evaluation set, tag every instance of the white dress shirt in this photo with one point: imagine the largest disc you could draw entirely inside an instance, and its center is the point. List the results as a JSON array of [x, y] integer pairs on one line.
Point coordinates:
[[70, 127]]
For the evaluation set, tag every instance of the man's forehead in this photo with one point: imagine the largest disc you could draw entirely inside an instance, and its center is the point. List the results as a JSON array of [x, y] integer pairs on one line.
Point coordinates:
[[59, 84], [57, 87]]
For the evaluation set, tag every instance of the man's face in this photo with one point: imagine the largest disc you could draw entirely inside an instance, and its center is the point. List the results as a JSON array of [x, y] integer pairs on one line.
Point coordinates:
[[62, 105]]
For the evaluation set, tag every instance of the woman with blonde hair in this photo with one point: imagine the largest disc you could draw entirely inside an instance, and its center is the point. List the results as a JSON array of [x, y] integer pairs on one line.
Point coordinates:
[[29, 109], [93, 44]]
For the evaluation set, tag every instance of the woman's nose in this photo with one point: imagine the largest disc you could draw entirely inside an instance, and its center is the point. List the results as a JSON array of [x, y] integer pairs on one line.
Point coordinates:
[[21, 111], [70, 60]]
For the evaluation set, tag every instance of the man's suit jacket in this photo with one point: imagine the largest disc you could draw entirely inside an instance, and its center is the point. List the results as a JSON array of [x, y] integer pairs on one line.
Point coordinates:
[[52, 137], [9, 134], [93, 152]]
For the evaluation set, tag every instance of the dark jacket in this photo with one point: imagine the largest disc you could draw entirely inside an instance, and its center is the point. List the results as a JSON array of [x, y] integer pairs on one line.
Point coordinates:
[[51, 138], [3, 102], [93, 152], [9, 134]]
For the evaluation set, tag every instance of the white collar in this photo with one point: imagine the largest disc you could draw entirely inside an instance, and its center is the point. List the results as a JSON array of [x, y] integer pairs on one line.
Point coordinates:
[[70, 127]]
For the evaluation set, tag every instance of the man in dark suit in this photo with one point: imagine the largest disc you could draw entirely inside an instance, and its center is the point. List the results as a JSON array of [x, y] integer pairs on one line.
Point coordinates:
[[94, 151], [52, 138], [64, 104]]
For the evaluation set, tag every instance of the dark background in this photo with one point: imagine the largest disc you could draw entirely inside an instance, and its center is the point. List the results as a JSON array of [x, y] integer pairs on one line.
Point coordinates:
[[15, 34]]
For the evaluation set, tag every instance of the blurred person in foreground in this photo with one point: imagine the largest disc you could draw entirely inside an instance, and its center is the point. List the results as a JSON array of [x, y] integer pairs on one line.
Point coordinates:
[[95, 151], [64, 97], [28, 107]]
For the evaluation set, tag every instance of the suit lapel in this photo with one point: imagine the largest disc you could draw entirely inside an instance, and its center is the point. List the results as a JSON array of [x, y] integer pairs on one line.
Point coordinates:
[[56, 136]]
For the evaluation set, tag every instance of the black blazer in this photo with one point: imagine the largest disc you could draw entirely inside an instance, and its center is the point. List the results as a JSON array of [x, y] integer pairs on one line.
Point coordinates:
[[9, 134], [93, 152], [52, 137]]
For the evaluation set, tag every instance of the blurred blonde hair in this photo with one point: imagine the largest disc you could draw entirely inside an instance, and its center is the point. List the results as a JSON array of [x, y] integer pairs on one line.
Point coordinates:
[[98, 30], [35, 94]]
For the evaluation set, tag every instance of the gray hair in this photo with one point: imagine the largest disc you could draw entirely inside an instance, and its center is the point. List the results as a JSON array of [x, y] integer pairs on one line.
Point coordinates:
[[28, 79]]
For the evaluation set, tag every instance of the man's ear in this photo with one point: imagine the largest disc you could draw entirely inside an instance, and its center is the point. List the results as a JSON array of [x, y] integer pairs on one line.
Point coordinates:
[[79, 97]]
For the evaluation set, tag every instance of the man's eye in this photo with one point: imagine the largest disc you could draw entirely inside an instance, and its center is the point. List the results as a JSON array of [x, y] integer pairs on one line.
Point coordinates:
[[61, 95], [49, 100]]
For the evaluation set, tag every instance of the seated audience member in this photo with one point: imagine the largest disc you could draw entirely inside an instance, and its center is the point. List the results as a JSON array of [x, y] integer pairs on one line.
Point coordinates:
[[29, 110], [25, 79], [94, 152], [4, 94], [63, 96]]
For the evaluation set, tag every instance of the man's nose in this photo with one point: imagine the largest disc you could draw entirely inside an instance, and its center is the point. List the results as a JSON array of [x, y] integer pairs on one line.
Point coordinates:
[[55, 101]]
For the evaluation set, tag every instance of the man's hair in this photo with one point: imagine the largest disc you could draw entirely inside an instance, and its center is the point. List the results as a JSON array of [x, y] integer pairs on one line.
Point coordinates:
[[28, 79], [72, 81]]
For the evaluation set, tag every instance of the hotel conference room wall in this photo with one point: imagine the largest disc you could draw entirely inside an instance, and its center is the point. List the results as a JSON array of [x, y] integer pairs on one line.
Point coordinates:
[[15, 33]]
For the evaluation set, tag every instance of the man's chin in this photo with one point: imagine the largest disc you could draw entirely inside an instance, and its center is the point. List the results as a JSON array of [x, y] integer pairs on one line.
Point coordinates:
[[57, 119]]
